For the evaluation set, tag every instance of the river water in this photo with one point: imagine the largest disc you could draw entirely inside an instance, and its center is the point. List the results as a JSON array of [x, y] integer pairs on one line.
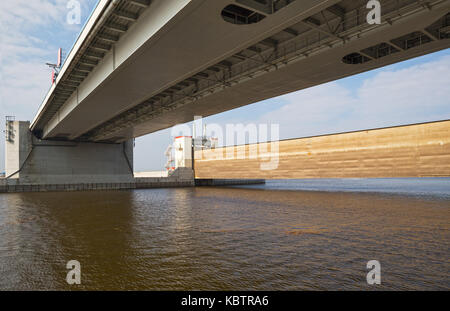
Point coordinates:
[[285, 235]]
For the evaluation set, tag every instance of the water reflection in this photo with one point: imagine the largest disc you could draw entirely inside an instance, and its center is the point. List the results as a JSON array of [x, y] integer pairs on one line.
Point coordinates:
[[223, 238]]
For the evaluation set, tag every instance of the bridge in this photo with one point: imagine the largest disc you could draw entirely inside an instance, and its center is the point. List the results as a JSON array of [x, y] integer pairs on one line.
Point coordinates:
[[140, 66]]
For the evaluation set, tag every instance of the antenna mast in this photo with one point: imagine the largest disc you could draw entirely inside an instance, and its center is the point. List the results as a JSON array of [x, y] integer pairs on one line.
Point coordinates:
[[56, 67]]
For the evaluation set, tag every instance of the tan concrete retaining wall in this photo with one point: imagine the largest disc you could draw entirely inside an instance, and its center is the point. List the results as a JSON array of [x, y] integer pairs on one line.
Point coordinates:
[[420, 150]]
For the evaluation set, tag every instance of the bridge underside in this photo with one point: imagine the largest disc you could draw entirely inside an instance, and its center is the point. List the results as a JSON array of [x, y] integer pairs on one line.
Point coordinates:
[[421, 150], [201, 63]]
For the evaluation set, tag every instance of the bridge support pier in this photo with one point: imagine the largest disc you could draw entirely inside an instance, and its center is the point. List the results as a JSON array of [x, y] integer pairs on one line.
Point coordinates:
[[33, 161]]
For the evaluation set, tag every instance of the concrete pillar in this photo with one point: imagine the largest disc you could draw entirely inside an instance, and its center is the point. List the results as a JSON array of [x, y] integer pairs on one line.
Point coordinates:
[[17, 147], [33, 161], [183, 152]]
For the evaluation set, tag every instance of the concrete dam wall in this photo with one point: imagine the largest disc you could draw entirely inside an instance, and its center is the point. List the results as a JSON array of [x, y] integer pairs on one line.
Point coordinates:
[[420, 150]]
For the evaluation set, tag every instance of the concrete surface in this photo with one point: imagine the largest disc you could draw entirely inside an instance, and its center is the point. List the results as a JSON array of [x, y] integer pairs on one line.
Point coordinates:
[[420, 150], [228, 182], [169, 66], [33, 161], [151, 174], [179, 178]]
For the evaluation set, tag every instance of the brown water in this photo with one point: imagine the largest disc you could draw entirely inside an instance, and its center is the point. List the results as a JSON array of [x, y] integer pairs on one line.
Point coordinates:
[[223, 239]]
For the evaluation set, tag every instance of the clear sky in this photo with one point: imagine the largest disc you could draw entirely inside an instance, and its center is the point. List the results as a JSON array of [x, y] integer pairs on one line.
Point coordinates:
[[31, 31]]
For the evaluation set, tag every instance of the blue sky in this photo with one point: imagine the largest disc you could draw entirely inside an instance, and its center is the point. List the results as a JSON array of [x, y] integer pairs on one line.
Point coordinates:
[[409, 92]]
